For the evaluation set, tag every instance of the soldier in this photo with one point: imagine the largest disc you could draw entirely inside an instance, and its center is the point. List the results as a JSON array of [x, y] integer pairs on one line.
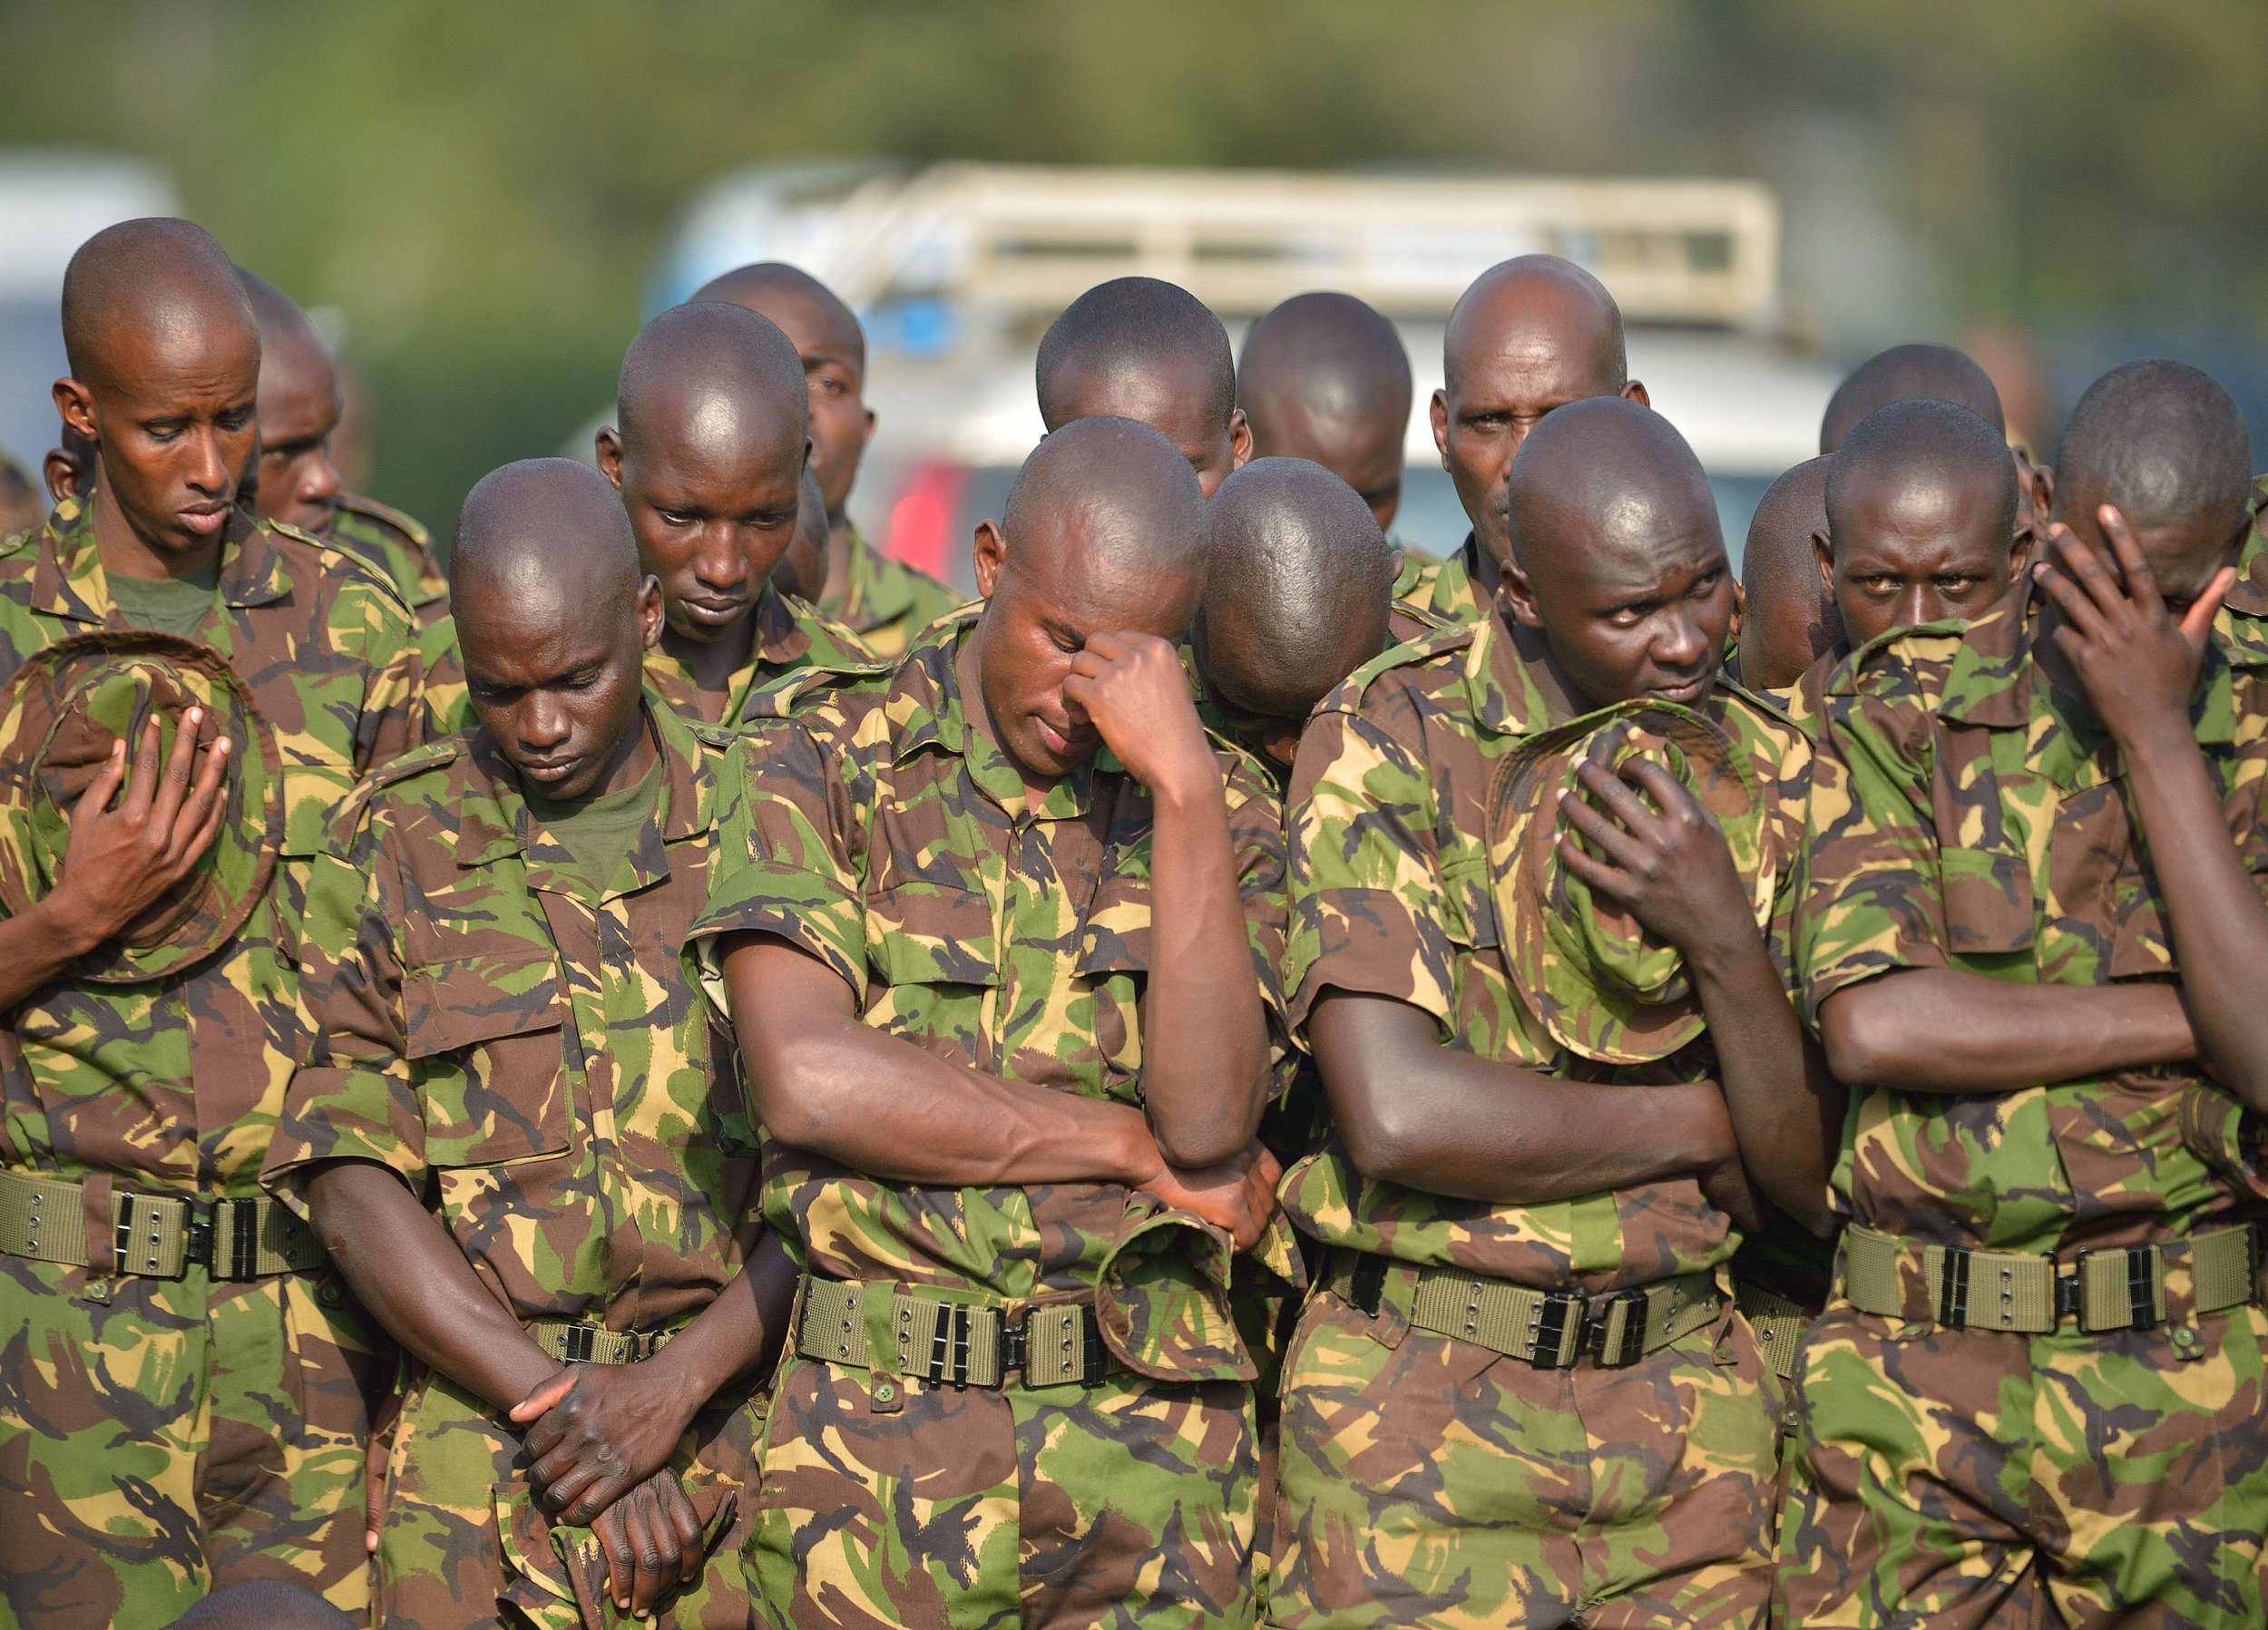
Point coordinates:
[[188, 1406], [1788, 619], [1531, 334], [999, 942], [1324, 376], [528, 1148], [886, 602], [708, 456], [2038, 1395], [1519, 1394], [1295, 599], [298, 411], [1150, 351]]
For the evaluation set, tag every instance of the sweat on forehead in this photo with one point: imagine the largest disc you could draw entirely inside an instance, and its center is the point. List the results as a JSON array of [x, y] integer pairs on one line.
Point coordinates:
[[1130, 327], [766, 287], [715, 373], [1608, 465], [1918, 446], [1909, 374], [1534, 302], [1120, 488], [545, 529], [154, 278], [2162, 440]]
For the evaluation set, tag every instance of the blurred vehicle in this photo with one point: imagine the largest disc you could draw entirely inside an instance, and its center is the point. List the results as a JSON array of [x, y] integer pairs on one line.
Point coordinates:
[[50, 203], [958, 268]]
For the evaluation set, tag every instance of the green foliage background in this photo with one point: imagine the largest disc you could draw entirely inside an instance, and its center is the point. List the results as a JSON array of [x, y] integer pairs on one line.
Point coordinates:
[[481, 188]]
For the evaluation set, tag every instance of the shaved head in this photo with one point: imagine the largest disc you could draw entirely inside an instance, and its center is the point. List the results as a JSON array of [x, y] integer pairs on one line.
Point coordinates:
[[1909, 374], [715, 377], [1325, 377], [300, 408], [1114, 343], [547, 536], [1611, 466], [2162, 440], [1123, 490], [1790, 620], [288, 335], [162, 280], [1933, 451], [1538, 305], [776, 290], [1297, 583]]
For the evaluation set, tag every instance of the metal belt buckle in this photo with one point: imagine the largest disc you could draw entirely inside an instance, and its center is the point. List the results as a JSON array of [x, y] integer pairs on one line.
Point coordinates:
[[1558, 1331], [948, 1364], [1015, 1345], [198, 1227], [1629, 1344], [2070, 1297], [1953, 1290], [139, 1239], [578, 1342]]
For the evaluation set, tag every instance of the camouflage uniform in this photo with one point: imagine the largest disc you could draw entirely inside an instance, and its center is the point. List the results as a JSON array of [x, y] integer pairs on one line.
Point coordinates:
[[1443, 589], [1430, 1481], [1960, 1464], [884, 836], [158, 1437], [401, 550], [794, 653], [886, 602], [532, 1061]]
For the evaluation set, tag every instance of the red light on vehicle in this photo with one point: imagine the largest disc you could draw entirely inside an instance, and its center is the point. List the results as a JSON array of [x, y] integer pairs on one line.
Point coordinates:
[[921, 521]]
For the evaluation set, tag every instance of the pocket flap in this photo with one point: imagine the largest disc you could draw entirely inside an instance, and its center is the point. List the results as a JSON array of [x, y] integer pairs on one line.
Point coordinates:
[[1117, 935], [503, 1026], [931, 933], [455, 1005], [1988, 895]]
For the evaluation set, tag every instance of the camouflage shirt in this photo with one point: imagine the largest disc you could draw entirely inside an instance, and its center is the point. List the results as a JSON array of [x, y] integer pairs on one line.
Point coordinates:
[[793, 643], [177, 1083], [1442, 591], [1965, 814], [886, 602], [1392, 895], [528, 1053], [883, 834], [398, 544]]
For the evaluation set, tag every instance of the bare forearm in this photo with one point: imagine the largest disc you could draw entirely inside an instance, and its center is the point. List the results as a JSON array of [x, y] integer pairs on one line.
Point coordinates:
[[1938, 1029], [1785, 1113], [407, 1271], [1415, 1112], [1204, 1036], [36, 950], [2219, 923], [739, 1333]]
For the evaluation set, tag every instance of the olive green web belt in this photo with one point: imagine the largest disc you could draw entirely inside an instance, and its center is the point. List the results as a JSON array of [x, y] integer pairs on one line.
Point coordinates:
[[581, 1343], [1551, 1329], [159, 1237], [1778, 1321], [954, 1343], [2119, 1288]]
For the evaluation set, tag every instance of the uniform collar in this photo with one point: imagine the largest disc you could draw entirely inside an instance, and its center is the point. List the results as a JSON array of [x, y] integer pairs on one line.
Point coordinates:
[[69, 580], [777, 641], [493, 820], [1505, 695]]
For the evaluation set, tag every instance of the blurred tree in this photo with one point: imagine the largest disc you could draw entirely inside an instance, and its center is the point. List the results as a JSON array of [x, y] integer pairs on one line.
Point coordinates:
[[480, 188]]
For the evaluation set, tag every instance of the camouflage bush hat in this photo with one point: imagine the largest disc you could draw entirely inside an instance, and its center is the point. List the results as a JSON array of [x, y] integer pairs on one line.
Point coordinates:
[[59, 717], [1600, 985]]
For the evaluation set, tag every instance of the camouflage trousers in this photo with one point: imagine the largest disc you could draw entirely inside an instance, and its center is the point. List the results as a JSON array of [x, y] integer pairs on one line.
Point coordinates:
[[1974, 1478], [1435, 1482], [463, 1543], [161, 1438], [1130, 1503]]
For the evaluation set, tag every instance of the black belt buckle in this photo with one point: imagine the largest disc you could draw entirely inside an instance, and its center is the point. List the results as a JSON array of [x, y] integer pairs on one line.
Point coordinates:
[[2141, 1286], [1095, 1367], [1560, 1309], [949, 1337], [578, 1342], [1952, 1291], [1631, 1347], [2070, 1299]]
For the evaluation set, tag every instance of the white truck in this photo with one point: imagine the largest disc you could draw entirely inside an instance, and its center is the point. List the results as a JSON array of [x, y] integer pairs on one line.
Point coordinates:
[[957, 268]]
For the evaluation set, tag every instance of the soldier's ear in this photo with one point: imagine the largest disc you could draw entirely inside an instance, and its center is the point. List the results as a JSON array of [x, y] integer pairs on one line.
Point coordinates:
[[990, 555], [1823, 552], [609, 446], [1517, 596], [1239, 439], [649, 612], [1635, 392], [74, 405], [1437, 410]]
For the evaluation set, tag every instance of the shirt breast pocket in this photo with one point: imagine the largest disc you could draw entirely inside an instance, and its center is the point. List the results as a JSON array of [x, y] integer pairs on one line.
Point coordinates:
[[931, 933], [502, 1026], [1988, 901], [1113, 965]]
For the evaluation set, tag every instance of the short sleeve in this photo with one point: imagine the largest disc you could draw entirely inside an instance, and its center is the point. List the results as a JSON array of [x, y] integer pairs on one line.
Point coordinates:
[[1871, 892], [1256, 837], [357, 1096], [783, 865], [1368, 909]]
